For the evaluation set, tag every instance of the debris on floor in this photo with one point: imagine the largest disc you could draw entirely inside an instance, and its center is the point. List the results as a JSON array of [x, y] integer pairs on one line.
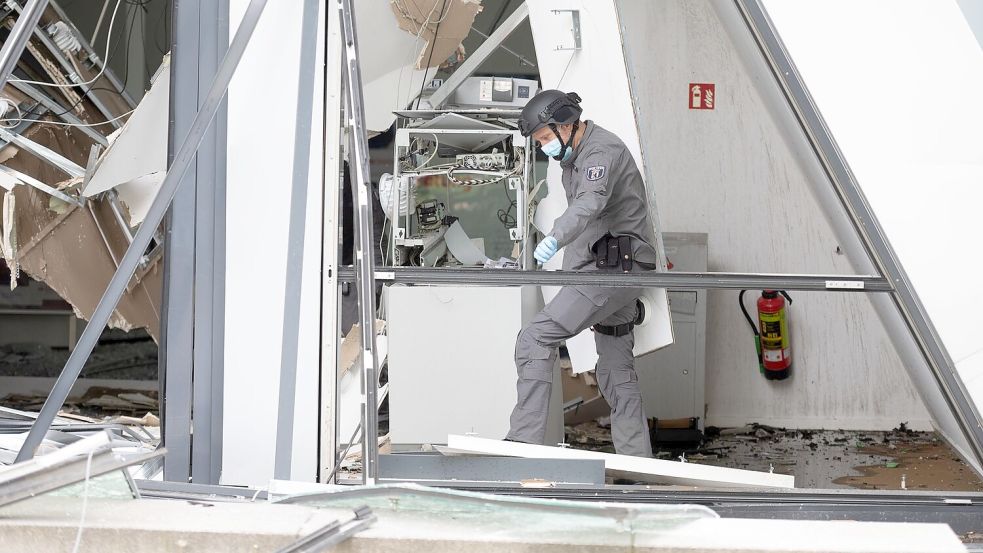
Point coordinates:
[[819, 459]]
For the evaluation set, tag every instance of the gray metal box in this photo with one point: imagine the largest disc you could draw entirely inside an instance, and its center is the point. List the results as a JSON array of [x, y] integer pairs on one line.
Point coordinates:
[[673, 378], [494, 92]]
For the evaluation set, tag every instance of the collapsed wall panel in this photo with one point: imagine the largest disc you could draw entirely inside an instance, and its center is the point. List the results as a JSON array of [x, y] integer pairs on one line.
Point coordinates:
[[74, 249]]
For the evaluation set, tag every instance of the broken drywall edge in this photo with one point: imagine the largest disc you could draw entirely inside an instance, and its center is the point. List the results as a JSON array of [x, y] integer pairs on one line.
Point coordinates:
[[8, 237], [451, 18], [138, 149], [8, 182], [350, 350], [636, 468]]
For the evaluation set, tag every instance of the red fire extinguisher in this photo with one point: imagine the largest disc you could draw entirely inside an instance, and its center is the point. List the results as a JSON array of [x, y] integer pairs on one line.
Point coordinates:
[[771, 337]]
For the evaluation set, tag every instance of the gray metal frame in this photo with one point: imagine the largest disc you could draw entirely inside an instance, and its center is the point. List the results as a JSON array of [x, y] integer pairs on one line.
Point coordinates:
[[18, 37], [131, 259], [865, 223], [331, 246], [192, 318], [96, 61], [727, 281], [69, 70], [358, 155]]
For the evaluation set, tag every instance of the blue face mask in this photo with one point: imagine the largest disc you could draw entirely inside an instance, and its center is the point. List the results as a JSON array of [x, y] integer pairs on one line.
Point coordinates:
[[553, 147]]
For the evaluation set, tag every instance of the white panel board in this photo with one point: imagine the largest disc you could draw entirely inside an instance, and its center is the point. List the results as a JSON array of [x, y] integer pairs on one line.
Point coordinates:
[[451, 366], [140, 148], [743, 174], [260, 173], [597, 73], [899, 89], [639, 468]]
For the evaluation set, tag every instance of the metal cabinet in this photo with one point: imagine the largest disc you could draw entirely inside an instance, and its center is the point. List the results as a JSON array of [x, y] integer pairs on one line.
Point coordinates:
[[673, 379]]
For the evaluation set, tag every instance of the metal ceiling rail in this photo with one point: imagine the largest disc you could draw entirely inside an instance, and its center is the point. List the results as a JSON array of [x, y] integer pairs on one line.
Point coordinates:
[[134, 253], [93, 56], [70, 74], [725, 281], [878, 248], [18, 37]]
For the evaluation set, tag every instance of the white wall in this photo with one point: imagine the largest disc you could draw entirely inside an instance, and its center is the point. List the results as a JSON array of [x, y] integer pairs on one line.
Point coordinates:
[[736, 174], [262, 103], [899, 89]]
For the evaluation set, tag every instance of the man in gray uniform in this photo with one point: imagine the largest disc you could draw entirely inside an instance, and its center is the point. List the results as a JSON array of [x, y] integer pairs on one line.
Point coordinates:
[[606, 226]]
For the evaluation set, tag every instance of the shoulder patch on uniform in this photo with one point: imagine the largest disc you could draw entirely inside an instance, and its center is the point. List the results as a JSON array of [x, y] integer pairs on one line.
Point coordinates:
[[595, 173]]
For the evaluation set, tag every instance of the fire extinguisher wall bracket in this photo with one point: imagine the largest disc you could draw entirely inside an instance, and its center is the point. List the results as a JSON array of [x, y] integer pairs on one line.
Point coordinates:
[[754, 330]]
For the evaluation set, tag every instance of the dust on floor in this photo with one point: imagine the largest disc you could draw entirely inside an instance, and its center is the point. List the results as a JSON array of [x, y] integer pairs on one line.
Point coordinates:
[[820, 459]]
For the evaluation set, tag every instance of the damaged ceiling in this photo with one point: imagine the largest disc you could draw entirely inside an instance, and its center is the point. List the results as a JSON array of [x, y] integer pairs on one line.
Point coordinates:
[[48, 230]]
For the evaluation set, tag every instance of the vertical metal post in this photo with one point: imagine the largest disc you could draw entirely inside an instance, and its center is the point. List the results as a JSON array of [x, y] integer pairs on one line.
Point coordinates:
[[19, 35], [364, 256], [328, 408], [209, 259], [176, 353], [131, 260]]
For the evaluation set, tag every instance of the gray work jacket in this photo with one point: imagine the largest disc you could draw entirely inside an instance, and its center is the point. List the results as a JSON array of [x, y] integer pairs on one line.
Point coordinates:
[[605, 195]]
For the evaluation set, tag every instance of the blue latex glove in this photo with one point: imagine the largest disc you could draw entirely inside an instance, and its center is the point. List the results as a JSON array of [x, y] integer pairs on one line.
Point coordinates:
[[546, 249]]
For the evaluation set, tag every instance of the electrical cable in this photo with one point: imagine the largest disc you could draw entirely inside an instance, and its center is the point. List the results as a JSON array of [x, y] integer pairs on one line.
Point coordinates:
[[505, 215], [416, 42], [433, 46], [436, 144], [496, 176], [85, 501], [98, 75], [63, 124]]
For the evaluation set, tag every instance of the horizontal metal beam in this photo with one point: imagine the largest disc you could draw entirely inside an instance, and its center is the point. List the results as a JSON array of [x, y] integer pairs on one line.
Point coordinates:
[[44, 153], [31, 181], [678, 280]]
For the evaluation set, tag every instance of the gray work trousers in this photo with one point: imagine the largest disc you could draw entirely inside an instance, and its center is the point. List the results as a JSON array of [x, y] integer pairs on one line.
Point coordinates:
[[574, 309]]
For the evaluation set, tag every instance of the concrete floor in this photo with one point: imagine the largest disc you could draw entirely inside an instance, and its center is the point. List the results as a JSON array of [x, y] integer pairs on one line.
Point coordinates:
[[822, 459]]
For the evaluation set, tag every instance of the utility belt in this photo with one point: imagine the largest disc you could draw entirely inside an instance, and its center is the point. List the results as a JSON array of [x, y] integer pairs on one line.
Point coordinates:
[[615, 252]]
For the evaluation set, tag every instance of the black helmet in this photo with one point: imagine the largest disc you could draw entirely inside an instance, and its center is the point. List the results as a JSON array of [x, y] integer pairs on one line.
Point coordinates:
[[550, 107]]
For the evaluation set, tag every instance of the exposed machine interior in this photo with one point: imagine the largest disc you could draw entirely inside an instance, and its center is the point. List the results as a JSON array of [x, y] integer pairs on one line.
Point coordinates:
[[442, 153]]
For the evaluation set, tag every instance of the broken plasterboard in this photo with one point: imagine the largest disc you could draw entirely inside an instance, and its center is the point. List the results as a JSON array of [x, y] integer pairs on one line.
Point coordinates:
[[627, 466], [8, 237], [443, 24], [136, 159]]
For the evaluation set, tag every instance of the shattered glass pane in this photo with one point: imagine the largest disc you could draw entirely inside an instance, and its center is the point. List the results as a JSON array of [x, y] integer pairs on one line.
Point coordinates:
[[420, 510]]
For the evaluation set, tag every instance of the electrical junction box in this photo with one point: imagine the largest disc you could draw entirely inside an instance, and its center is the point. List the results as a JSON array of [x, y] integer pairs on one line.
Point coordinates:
[[497, 92]]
